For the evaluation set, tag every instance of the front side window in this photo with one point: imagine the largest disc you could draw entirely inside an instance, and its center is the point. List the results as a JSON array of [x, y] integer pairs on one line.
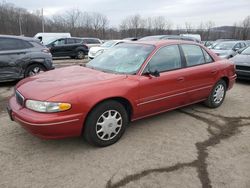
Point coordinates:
[[59, 42], [193, 54], [122, 59], [167, 58], [237, 46]]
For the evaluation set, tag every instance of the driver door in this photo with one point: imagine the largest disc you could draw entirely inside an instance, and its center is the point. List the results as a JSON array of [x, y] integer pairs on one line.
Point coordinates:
[[58, 47], [166, 91]]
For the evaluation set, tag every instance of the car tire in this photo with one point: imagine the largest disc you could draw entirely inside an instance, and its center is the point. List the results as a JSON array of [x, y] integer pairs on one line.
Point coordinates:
[[80, 54], [106, 123], [33, 70], [217, 95]]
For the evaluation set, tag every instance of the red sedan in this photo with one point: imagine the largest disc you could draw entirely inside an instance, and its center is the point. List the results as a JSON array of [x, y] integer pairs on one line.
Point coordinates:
[[129, 82]]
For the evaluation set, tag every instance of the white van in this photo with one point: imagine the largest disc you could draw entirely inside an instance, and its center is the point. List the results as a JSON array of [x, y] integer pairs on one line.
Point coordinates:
[[196, 36], [46, 38]]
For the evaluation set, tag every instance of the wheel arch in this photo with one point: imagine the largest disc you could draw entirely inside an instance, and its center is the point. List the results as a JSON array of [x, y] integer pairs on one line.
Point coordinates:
[[122, 100], [226, 79]]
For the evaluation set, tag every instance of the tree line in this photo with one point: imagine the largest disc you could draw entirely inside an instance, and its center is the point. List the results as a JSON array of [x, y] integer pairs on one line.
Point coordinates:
[[19, 21]]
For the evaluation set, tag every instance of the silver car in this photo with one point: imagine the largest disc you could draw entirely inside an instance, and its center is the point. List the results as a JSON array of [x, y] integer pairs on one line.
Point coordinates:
[[228, 49], [242, 63]]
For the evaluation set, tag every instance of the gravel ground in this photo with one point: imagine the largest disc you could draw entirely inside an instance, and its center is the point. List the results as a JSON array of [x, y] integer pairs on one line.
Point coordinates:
[[190, 147]]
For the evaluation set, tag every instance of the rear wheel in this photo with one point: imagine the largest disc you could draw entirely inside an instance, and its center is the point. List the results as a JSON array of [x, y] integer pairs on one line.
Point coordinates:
[[217, 95], [106, 123], [80, 55], [34, 70]]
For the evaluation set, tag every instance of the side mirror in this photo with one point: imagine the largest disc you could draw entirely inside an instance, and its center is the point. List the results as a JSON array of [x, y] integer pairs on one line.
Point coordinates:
[[154, 73], [236, 49]]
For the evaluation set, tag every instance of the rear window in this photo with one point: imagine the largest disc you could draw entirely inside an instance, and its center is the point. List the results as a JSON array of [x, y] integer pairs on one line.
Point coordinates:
[[13, 44]]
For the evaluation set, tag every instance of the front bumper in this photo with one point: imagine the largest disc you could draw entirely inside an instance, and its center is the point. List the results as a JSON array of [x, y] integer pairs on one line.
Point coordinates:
[[243, 74], [46, 126]]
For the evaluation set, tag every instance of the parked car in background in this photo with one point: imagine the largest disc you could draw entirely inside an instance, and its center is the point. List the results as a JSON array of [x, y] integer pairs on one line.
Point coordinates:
[[169, 37], [132, 81], [46, 38], [92, 42], [130, 39], [22, 57], [228, 49], [208, 43], [95, 51], [242, 62], [72, 47]]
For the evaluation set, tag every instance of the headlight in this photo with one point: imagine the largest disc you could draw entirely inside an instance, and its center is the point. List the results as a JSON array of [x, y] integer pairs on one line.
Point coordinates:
[[99, 52], [41, 106]]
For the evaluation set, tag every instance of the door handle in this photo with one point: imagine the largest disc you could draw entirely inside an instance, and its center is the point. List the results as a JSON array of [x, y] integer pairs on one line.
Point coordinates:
[[180, 79]]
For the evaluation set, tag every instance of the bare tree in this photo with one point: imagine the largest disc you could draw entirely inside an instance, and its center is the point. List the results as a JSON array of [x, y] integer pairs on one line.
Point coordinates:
[[246, 28]]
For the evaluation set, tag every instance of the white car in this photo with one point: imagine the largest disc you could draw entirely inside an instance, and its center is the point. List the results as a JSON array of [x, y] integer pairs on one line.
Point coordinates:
[[95, 51]]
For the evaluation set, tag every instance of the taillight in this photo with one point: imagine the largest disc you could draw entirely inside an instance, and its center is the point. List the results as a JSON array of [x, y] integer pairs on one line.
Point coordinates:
[[46, 50], [86, 46]]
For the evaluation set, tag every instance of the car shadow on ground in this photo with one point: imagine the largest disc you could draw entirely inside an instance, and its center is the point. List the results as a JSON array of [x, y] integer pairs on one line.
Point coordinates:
[[241, 81]]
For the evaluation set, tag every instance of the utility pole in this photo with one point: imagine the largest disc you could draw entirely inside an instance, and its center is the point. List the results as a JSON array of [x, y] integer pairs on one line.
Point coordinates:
[[42, 21], [20, 24]]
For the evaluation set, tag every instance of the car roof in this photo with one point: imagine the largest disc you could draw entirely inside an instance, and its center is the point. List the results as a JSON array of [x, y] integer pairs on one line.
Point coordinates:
[[19, 37], [233, 41], [89, 38], [159, 43]]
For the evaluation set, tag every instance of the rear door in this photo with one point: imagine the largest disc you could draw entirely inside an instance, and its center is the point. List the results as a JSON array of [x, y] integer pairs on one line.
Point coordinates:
[[167, 91], [201, 72], [12, 56], [70, 46]]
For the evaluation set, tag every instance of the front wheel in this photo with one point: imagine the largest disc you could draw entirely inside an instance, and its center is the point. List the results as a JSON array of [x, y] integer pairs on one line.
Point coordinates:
[[217, 95], [106, 123]]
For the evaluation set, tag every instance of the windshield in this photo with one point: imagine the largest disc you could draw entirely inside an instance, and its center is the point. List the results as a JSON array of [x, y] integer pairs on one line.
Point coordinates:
[[122, 59], [48, 40], [224, 46], [108, 44], [246, 51]]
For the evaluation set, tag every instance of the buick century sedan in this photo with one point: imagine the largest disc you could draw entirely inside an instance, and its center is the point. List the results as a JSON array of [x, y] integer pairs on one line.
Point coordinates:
[[129, 82]]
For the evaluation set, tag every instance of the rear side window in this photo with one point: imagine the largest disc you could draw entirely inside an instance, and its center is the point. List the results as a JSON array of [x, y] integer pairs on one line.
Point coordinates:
[[193, 54], [13, 44], [78, 40], [93, 41], [71, 41], [167, 58]]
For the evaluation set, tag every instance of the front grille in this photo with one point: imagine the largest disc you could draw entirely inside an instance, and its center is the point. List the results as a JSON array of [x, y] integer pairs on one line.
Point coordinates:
[[240, 67], [19, 98]]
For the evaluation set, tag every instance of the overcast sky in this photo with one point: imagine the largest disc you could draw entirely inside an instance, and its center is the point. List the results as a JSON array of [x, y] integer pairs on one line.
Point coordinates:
[[221, 12]]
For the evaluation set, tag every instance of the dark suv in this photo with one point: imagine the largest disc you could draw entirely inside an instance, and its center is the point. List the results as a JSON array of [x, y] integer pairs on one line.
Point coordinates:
[[73, 47], [22, 57]]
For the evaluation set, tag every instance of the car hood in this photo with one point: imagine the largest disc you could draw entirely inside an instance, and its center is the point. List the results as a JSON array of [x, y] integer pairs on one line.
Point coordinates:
[[222, 52], [241, 60], [56, 82]]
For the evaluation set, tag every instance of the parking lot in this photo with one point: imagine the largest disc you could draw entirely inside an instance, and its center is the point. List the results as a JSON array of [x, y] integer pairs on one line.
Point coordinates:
[[190, 147]]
